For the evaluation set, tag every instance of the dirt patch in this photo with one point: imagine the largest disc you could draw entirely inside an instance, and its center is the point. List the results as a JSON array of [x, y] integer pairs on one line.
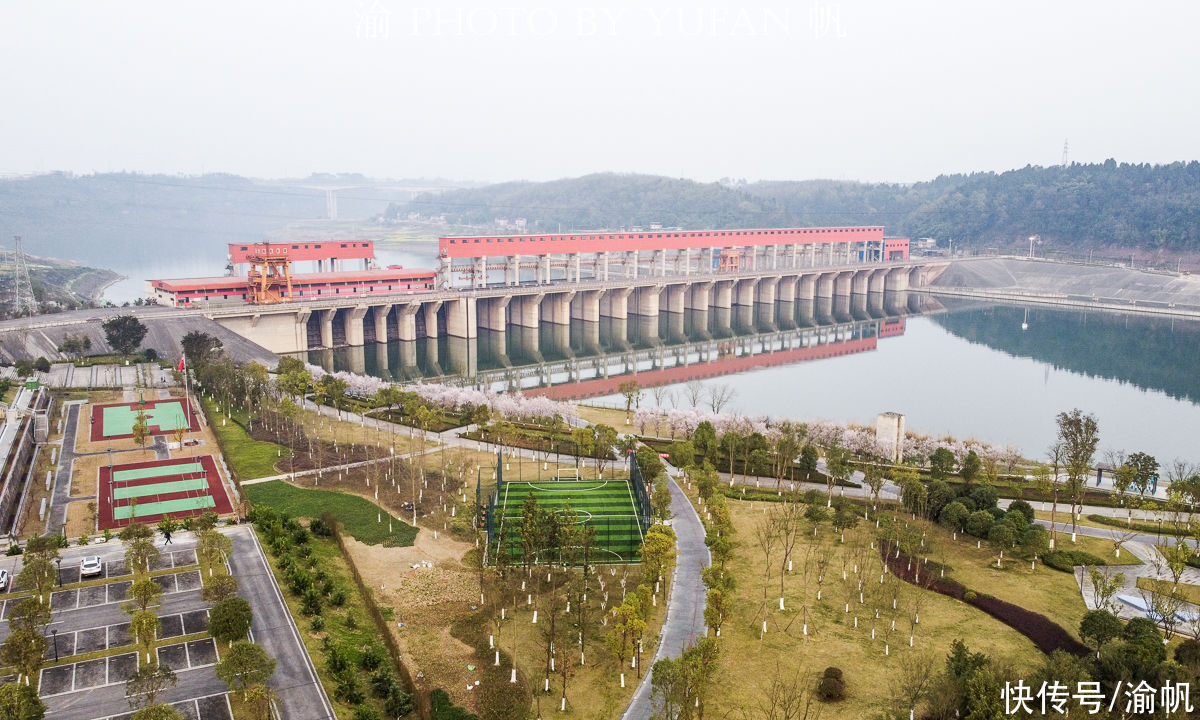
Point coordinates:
[[427, 600], [79, 520]]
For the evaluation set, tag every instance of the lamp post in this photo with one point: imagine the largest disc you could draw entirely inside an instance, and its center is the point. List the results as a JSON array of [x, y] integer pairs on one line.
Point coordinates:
[[54, 634], [58, 561]]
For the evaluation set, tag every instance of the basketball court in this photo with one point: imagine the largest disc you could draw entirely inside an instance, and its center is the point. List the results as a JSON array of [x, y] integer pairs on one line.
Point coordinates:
[[148, 491], [115, 421]]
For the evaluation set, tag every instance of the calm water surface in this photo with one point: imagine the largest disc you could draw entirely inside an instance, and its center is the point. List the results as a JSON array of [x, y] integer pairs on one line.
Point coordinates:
[[951, 367]]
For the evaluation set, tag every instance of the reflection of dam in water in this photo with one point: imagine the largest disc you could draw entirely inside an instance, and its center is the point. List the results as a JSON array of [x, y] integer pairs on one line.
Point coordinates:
[[586, 359]]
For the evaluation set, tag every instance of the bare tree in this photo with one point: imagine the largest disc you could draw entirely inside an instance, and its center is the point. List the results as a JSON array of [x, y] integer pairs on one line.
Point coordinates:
[[660, 393], [766, 537], [693, 391], [787, 519], [719, 396], [784, 698], [917, 674]]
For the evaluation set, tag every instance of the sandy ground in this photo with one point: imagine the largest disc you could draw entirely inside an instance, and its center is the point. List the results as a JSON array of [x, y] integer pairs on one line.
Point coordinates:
[[79, 520], [426, 599]]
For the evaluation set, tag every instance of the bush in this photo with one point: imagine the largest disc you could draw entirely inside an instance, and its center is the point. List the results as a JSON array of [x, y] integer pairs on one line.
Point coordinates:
[[831, 690], [382, 683], [351, 620], [833, 672], [318, 623], [980, 523], [336, 659], [338, 597], [970, 596], [398, 703], [320, 528], [13, 549], [312, 603], [371, 658], [953, 515], [348, 690], [1024, 508], [365, 713], [1067, 560]]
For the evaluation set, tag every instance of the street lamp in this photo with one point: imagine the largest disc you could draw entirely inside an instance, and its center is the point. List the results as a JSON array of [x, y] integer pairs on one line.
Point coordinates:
[[58, 561], [54, 634]]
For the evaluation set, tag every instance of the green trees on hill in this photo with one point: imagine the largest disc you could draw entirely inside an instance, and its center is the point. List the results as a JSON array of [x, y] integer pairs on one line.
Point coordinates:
[[1156, 207]]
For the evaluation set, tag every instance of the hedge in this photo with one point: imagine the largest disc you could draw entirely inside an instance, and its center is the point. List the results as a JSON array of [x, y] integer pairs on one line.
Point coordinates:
[[1142, 527], [1068, 560], [1046, 634]]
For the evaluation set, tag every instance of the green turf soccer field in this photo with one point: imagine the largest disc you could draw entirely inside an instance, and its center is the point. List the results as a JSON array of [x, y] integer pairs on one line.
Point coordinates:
[[607, 506]]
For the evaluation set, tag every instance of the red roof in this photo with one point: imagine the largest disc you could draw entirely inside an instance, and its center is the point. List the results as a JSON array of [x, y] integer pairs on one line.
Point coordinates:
[[298, 279]]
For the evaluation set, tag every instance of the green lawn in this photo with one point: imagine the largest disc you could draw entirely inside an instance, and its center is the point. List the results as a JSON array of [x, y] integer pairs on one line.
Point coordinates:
[[607, 507], [358, 516], [247, 458]]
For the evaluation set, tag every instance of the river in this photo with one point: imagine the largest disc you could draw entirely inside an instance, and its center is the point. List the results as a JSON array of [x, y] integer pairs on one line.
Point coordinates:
[[996, 373]]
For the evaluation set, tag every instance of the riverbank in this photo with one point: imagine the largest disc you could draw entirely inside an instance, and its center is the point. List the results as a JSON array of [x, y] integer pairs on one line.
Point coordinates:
[[1101, 287], [1133, 306]]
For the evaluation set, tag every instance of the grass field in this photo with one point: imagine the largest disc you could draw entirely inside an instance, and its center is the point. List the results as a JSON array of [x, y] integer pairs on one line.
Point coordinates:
[[248, 458], [358, 516], [606, 506], [751, 660]]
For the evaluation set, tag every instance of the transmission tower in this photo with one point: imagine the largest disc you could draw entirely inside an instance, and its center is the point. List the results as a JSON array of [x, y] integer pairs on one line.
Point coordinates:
[[23, 301], [1066, 154]]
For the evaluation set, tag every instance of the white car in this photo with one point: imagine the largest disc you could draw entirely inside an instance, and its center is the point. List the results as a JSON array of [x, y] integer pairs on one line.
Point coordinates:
[[3, 579], [91, 566]]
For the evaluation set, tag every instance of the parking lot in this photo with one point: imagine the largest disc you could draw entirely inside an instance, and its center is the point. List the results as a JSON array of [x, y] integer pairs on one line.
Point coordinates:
[[212, 707], [90, 619]]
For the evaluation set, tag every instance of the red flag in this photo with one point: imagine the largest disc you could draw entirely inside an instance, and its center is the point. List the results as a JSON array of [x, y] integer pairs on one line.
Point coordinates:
[[181, 358]]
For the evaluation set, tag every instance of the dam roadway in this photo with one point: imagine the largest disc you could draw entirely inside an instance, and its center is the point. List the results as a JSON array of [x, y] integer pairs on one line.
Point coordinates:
[[258, 332]]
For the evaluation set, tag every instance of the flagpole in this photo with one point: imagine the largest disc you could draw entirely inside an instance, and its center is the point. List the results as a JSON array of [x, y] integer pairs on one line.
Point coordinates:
[[187, 396]]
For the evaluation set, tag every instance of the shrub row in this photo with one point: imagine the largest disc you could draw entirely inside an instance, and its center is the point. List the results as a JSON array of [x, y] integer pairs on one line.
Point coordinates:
[[1046, 634], [1142, 527], [330, 524], [1068, 560], [290, 543]]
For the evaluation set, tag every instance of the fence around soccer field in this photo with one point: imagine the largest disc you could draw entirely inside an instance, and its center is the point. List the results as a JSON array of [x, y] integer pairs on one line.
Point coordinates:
[[617, 510]]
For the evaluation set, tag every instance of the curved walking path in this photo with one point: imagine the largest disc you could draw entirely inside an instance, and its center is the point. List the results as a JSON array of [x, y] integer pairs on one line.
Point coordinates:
[[684, 623]]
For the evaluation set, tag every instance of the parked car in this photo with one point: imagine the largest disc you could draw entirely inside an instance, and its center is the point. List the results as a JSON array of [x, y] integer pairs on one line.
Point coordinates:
[[3, 579], [90, 566]]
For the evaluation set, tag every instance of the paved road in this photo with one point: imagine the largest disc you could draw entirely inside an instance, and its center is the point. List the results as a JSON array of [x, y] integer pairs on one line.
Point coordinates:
[[56, 518], [301, 696], [685, 608]]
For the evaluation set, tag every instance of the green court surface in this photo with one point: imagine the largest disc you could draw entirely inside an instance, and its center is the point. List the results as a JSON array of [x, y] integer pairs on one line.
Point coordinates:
[[166, 506], [119, 419], [605, 506], [160, 471], [162, 488]]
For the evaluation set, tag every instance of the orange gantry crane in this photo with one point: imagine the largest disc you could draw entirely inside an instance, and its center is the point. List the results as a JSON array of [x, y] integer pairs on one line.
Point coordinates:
[[270, 275]]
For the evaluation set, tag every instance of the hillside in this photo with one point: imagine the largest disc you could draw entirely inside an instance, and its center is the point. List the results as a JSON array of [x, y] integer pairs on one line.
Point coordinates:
[[118, 220], [1155, 208]]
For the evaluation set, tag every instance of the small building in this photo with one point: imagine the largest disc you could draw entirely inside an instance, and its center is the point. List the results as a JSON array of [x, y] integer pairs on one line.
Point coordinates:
[[889, 435]]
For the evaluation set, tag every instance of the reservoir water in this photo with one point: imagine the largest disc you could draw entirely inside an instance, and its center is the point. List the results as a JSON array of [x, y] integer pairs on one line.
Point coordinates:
[[996, 373]]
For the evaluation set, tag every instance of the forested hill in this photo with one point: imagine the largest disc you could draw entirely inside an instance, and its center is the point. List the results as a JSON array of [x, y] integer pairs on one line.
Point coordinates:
[[603, 200], [1155, 207]]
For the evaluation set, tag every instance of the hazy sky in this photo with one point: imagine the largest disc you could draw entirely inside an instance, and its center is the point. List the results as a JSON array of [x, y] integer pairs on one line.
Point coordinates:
[[896, 90]]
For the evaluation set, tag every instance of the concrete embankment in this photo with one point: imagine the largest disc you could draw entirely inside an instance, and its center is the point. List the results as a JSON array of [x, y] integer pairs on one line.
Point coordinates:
[[1097, 287], [41, 335]]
